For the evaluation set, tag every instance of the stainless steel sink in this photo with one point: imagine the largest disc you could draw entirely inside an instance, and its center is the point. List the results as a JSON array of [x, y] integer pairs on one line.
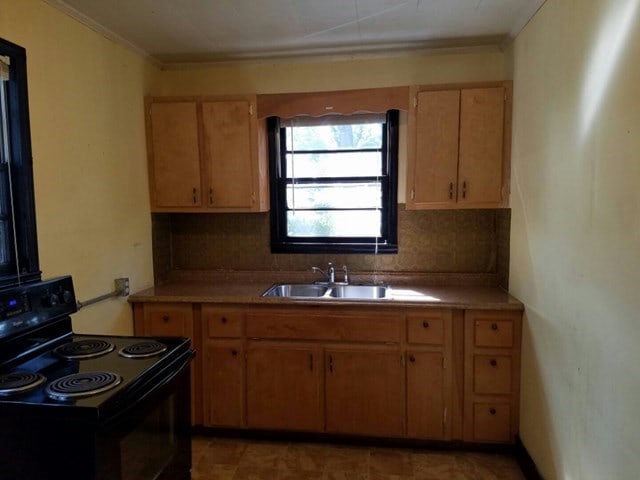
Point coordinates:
[[300, 290], [363, 292], [344, 292]]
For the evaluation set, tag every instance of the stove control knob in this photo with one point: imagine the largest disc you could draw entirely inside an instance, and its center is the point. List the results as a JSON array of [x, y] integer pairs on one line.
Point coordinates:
[[66, 296], [51, 300]]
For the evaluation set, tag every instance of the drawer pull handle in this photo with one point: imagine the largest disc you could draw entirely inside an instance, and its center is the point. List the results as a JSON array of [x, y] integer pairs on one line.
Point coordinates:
[[224, 320], [165, 318], [493, 362], [492, 411], [425, 324], [494, 327], [412, 358]]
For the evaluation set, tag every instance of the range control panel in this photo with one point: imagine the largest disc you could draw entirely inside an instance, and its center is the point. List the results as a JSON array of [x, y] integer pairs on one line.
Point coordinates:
[[32, 304]]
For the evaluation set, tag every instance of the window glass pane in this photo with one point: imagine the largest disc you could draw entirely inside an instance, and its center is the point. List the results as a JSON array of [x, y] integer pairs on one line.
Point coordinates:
[[335, 195], [346, 164], [332, 137], [359, 223], [5, 243]]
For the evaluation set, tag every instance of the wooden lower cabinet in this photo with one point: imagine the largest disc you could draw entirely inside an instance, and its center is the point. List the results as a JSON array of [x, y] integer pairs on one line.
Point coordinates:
[[223, 385], [364, 391], [284, 385], [176, 319], [422, 373], [492, 375], [426, 395]]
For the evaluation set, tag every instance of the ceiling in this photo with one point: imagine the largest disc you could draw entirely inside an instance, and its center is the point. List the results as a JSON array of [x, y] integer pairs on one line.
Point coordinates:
[[179, 31]]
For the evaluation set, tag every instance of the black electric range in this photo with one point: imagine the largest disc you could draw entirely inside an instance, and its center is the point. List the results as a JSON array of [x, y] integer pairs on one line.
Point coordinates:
[[87, 406]]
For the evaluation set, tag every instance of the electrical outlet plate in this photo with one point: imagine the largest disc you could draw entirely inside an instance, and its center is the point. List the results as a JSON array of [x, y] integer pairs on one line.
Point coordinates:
[[122, 286]]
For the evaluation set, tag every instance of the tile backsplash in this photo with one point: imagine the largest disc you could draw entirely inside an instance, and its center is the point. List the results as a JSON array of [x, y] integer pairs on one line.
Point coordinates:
[[429, 241]]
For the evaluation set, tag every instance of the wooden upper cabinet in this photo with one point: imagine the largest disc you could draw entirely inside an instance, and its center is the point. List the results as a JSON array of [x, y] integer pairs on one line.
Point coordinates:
[[480, 166], [173, 145], [207, 154], [435, 172], [229, 154], [459, 144]]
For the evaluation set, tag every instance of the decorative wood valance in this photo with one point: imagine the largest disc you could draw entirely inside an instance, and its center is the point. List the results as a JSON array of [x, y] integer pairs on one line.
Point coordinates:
[[344, 102]]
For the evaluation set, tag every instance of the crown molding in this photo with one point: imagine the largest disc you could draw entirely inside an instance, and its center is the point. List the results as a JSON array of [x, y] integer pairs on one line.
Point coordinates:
[[97, 27]]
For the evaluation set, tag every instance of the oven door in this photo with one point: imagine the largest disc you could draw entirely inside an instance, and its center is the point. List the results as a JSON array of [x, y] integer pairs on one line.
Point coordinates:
[[150, 437]]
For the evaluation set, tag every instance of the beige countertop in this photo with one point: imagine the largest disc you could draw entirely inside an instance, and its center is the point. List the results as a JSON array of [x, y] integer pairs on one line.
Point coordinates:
[[247, 289]]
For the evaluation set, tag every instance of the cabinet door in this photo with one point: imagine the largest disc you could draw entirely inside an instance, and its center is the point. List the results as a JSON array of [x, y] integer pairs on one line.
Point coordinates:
[[175, 154], [223, 383], [363, 392], [480, 175], [229, 159], [433, 171], [283, 387], [425, 395]]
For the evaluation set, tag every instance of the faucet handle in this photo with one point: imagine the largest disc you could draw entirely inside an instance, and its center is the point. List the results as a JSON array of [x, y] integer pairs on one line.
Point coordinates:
[[346, 273]]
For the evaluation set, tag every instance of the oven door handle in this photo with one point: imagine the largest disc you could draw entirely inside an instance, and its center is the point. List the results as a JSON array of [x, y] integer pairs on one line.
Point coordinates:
[[177, 367]]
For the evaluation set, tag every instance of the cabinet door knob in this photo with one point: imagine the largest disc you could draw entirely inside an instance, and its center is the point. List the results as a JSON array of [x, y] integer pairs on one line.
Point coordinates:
[[412, 358], [224, 320], [493, 362], [234, 352], [165, 318], [494, 326], [492, 411], [425, 324]]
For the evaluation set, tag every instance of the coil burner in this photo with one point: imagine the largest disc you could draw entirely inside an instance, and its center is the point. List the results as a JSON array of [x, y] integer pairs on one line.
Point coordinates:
[[84, 349], [83, 384], [19, 382], [144, 349]]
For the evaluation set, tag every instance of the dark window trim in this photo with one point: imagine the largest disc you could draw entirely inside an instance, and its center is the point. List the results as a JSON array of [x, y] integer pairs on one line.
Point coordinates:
[[281, 243], [21, 168]]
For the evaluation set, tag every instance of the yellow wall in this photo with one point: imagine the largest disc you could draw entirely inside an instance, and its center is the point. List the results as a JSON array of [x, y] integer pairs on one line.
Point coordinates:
[[87, 125], [317, 75], [575, 236]]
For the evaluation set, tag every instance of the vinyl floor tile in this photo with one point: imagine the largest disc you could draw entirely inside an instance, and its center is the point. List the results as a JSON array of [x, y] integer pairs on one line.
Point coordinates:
[[233, 459]]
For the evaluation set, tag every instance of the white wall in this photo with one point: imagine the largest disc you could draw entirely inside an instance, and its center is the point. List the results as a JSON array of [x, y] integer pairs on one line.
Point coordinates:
[[575, 238]]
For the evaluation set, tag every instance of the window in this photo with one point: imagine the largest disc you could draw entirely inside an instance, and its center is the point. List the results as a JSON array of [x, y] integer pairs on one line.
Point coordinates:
[[334, 183], [18, 243]]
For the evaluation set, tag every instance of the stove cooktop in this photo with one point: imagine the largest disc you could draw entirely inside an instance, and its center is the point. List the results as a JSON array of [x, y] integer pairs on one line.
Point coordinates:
[[100, 356]]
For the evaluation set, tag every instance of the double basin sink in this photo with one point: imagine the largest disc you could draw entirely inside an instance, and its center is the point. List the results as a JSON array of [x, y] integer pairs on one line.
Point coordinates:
[[335, 291]]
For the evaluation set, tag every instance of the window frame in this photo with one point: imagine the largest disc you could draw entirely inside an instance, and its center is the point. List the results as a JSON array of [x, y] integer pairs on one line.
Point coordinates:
[[22, 192], [282, 243]]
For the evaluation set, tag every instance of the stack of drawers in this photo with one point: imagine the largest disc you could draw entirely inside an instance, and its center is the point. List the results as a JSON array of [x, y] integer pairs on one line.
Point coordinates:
[[492, 382]]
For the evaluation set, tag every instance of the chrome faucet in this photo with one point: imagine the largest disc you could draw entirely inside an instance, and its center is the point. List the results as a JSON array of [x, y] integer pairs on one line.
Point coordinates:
[[345, 270], [330, 274]]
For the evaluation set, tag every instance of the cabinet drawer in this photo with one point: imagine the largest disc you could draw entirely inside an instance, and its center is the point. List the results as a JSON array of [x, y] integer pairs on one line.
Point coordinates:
[[305, 326], [168, 320], [492, 374], [492, 422], [493, 332], [426, 328], [223, 323]]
